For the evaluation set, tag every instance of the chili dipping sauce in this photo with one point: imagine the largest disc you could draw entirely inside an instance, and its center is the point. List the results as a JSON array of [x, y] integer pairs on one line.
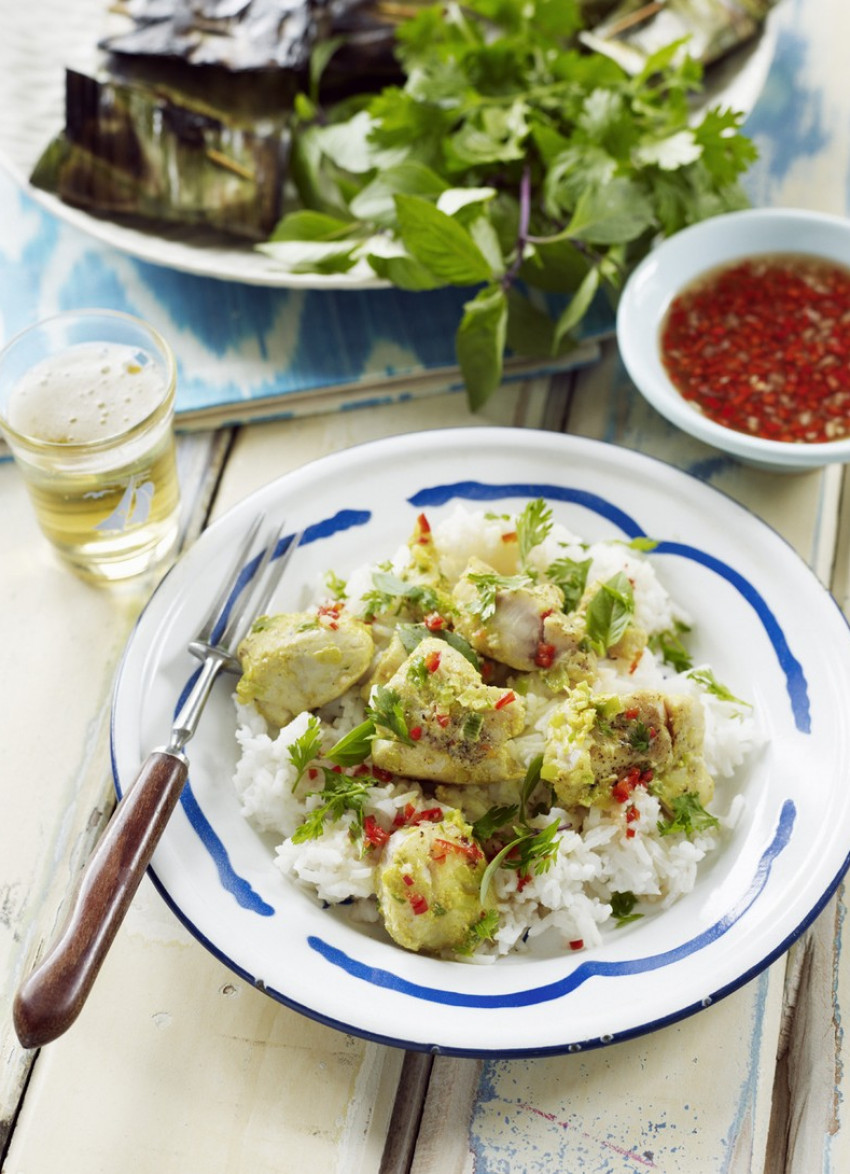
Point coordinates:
[[762, 346]]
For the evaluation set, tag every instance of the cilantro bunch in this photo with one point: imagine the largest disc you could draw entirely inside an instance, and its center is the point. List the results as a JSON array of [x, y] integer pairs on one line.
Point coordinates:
[[511, 162]]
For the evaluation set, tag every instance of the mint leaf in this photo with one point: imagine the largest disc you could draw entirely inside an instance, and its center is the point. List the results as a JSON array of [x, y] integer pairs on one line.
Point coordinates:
[[480, 343], [609, 613], [439, 242]]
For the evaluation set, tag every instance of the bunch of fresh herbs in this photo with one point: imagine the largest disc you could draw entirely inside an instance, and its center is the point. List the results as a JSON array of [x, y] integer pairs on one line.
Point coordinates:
[[510, 162]]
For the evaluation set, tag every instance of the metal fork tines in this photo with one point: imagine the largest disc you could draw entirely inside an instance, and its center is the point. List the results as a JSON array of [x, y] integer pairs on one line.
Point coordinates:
[[243, 596], [52, 996]]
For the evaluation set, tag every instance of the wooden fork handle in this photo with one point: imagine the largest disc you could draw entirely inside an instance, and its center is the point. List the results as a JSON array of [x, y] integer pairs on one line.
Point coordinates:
[[51, 998]]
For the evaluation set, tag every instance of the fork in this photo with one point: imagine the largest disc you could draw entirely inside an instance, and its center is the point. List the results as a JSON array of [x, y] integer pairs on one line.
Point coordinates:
[[52, 996]]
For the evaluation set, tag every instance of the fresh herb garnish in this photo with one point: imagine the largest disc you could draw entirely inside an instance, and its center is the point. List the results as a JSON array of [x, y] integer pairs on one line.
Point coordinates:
[[353, 747], [609, 613], [389, 592], [386, 711], [335, 585], [706, 678], [571, 576], [529, 850], [305, 748], [687, 815], [489, 584], [669, 646], [472, 723], [638, 736], [411, 635], [510, 160], [532, 527], [622, 906], [341, 793], [480, 931]]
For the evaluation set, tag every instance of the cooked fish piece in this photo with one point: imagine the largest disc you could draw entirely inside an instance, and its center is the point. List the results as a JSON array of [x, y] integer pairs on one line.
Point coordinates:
[[459, 729], [595, 740], [428, 885], [527, 628], [301, 660]]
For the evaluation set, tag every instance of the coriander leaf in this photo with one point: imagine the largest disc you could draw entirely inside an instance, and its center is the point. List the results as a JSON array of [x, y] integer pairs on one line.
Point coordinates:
[[609, 613], [622, 906], [493, 820], [480, 342], [725, 153], [687, 815], [387, 712], [353, 747], [390, 590], [643, 544], [571, 576], [532, 527], [530, 850], [341, 793], [335, 585], [483, 930], [706, 678], [305, 748], [489, 585], [638, 737], [668, 645], [439, 242]]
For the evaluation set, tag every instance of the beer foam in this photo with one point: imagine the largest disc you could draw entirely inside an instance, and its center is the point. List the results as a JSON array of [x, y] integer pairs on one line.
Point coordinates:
[[88, 393]]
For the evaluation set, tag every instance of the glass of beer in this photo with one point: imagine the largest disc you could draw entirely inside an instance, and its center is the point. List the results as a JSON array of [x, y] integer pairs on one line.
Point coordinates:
[[87, 409]]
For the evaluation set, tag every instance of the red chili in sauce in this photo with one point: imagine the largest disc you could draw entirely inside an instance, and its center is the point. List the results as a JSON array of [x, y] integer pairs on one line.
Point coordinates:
[[762, 346]]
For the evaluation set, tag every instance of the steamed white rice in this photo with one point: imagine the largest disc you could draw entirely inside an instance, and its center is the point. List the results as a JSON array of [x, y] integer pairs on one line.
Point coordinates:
[[570, 901]]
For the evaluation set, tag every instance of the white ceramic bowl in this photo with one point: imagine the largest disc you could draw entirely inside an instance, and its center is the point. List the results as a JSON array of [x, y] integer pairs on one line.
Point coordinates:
[[678, 261]]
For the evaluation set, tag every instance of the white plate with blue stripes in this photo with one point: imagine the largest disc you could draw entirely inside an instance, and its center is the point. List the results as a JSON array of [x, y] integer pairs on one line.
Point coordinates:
[[761, 618]]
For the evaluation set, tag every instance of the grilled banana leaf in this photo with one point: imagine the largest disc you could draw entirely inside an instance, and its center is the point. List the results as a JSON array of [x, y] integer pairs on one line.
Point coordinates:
[[134, 150], [634, 29]]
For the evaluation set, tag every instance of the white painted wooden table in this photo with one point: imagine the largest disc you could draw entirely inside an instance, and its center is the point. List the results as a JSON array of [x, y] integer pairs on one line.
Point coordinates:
[[176, 1066]]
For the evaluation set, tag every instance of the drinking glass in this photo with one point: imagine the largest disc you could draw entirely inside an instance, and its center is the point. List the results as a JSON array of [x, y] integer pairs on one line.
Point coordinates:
[[87, 409]]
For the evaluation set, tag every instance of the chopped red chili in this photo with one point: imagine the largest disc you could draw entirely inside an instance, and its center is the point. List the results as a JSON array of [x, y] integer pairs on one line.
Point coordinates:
[[434, 622], [432, 661], [415, 733], [577, 944], [545, 655], [383, 776], [762, 346], [408, 880], [466, 848], [418, 903], [505, 699], [443, 719], [373, 833], [422, 534], [409, 816], [511, 536]]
